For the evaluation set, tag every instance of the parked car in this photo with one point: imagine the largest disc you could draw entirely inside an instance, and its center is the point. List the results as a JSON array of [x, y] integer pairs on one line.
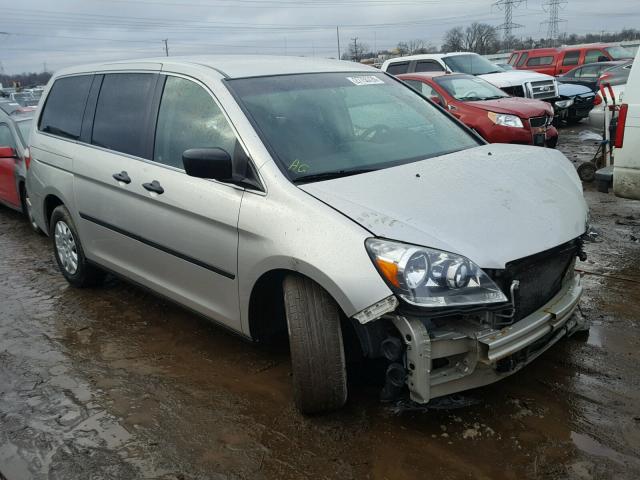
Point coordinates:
[[616, 75], [10, 107], [515, 83], [576, 101], [277, 194], [626, 168], [496, 116], [14, 158], [556, 61], [596, 115], [589, 74]]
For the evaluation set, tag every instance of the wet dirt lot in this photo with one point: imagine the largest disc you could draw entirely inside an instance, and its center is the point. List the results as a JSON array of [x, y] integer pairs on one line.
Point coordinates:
[[113, 383]]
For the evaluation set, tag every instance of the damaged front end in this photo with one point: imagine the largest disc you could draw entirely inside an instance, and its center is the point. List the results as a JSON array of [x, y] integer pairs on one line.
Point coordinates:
[[439, 351]]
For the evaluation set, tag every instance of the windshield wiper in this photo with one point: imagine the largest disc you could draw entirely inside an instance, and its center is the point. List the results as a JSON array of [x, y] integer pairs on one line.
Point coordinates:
[[317, 177], [495, 97]]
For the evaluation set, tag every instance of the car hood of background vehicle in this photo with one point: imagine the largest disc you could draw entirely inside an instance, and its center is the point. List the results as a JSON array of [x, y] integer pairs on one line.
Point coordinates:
[[522, 107], [493, 204], [514, 77], [573, 89]]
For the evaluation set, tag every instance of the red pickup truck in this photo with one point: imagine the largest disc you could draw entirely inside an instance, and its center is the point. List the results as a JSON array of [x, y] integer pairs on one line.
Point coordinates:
[[556, 61]]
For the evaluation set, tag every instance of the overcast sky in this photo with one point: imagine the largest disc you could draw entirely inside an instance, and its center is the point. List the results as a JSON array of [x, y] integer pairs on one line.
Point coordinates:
[[66, 32]]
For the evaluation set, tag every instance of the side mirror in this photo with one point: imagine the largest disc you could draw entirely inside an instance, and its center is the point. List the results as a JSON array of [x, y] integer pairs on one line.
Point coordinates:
[[213, 163], [8, 152], [437, 100]]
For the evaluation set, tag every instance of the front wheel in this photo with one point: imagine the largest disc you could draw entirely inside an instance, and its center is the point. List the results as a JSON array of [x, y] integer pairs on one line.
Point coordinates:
[[69, 253], [317, 351]]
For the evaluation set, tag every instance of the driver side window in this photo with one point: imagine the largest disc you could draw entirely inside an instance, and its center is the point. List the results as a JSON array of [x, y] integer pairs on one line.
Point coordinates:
[[189, 118]]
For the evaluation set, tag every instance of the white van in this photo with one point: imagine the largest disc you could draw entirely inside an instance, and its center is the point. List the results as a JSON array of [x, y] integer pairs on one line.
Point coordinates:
[[626, 170]]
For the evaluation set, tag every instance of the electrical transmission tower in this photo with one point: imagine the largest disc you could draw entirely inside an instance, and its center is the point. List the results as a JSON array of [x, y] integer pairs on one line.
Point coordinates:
[[552, 7], [508, 25]]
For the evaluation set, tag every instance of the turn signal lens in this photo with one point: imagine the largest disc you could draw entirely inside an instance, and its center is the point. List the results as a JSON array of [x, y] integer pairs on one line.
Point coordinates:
[[389, 270]]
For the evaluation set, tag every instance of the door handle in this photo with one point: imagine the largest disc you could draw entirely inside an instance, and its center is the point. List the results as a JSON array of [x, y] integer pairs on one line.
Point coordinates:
[[154, 187], [122, 177]]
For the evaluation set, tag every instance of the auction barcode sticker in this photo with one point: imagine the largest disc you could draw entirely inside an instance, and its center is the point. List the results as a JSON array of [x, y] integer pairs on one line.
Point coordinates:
[[365, 80]]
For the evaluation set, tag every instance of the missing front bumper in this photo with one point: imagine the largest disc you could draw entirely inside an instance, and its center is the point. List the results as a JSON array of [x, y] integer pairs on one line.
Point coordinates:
[[448, 360]]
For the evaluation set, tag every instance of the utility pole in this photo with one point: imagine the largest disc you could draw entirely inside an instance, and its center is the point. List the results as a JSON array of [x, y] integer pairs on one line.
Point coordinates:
[[552, 7], [508, 25], [166, 46], [44, 66], [355, 49], [338, 37]]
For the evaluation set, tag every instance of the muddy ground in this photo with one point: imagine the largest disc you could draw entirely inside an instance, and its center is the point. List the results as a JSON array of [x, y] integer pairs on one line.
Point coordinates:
[[113, 383]]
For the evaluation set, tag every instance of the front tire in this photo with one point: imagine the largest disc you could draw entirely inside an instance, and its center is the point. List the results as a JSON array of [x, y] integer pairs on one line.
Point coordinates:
[[317, 351], [69, 253]]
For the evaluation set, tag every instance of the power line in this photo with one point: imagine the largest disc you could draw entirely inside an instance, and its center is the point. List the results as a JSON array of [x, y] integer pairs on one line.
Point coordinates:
[[508, 25], [553, 8]]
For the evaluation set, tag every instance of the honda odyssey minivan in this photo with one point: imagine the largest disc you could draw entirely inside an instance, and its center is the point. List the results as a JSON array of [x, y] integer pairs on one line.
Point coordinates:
[[314, 197]]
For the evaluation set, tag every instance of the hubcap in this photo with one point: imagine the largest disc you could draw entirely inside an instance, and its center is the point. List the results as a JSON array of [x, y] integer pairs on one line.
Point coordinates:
[[66, 247]]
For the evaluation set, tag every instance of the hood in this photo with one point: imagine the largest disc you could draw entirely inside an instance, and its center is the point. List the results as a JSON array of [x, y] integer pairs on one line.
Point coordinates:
[[573, 89], [514, 77], [522, 107], [493, 204]]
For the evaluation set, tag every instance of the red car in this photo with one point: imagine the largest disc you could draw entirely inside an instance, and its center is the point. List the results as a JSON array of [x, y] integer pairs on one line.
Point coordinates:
[[496, 116]]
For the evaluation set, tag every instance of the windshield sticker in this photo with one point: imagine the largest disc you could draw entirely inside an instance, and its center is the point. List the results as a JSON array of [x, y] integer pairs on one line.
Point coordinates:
[[365, 80], [298, 167]]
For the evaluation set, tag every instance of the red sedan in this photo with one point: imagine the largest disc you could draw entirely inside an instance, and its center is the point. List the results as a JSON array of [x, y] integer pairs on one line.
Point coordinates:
[[496, 116]]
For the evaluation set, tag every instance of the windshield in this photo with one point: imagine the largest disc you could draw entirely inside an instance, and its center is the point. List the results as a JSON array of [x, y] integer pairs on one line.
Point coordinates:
[[24, 128], [619, 53], [471, 63], [326, 125], [468, 88]]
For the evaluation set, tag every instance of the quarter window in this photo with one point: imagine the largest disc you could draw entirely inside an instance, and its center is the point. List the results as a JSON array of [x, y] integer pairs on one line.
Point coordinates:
[[63, 110], [571, 58], [535, 61], [428, 66], [398, 68], [6, 139], [592, 56], [121, 113], [189, 118]]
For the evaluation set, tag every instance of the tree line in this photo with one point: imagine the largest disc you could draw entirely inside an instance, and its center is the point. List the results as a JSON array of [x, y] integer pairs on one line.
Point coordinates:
[[25, 79], [484, 39]]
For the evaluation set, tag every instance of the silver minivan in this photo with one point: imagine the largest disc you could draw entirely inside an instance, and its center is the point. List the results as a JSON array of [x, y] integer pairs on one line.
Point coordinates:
[[321, 198]]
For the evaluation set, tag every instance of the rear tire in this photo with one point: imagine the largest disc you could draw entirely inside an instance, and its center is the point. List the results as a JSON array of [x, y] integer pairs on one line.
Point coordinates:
[[317, 351], [68, 251]]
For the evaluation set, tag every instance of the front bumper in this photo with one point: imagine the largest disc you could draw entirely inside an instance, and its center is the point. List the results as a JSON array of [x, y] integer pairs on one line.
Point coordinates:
[[459, 357]]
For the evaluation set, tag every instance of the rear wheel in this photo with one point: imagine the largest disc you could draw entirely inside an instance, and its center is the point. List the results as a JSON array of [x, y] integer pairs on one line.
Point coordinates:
[[317, 351], [68, 251]]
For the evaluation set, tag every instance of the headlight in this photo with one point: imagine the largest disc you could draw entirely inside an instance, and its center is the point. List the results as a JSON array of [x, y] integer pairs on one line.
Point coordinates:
[[564, 103], [505, 120], [432, 278]]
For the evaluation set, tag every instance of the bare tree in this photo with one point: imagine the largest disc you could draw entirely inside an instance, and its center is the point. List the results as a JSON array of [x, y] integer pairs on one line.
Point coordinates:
[[481, 38], [357, 50], [453, 40]]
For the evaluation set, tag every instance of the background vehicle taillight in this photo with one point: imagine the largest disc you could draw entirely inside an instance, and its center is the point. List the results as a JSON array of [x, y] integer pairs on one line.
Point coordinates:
[[27, 158], [597, 100], [622, 119]]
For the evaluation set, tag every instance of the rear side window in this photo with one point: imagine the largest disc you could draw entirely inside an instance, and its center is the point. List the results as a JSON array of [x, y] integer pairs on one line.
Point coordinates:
[[398, 68], [535, 61], [513, 58], [571, 58], [523, 59], [428, 66], [592, 56], [189, 118], [122, 111], [63, 110], [6, 139]]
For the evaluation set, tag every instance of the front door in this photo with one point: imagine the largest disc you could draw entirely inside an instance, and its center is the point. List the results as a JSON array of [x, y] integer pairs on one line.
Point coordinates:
[[143, 215]]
